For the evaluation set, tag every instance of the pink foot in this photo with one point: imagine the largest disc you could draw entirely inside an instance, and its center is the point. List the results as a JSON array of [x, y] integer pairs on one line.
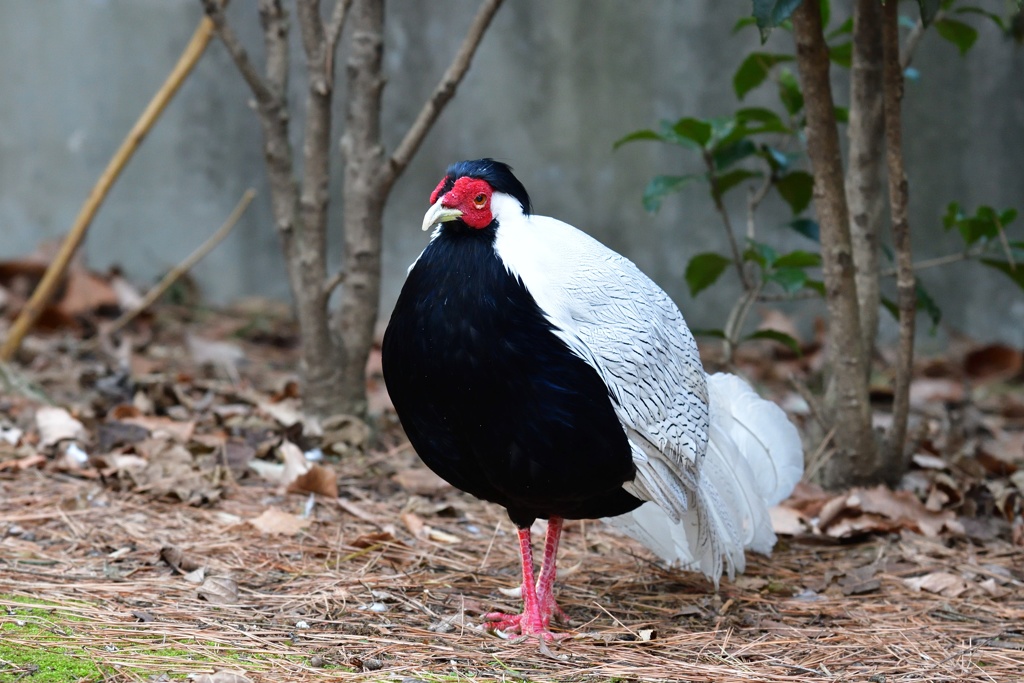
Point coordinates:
[[523, 625], [539, 604]]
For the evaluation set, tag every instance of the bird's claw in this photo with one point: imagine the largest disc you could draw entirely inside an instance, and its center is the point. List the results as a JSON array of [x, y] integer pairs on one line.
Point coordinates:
[[529, 625], [519, 624]]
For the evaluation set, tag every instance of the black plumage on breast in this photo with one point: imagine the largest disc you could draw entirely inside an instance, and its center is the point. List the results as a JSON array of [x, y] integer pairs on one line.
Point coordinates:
[[491, 399]]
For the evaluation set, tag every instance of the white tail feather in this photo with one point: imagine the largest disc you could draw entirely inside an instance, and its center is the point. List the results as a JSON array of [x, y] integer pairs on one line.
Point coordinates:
[[753, 460]]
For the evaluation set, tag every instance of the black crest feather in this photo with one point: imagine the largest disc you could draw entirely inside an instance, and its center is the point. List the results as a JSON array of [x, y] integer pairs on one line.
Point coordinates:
[[497, 174]]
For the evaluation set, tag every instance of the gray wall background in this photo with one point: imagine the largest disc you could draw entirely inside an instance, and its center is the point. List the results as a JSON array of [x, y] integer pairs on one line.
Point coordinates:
[[554, 84]]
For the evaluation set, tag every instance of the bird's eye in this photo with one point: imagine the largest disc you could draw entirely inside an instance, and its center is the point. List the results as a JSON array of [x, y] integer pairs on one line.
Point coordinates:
[[480, 200]]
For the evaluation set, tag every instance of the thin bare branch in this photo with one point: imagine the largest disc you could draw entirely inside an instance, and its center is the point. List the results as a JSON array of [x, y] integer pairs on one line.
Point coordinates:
[[274, 20], [734, 247], [335, 26], [311, 27], [259, 86], [754, 200], [738, 318], [443, 93], [333, 283], [914, 39], [175, 273], [906, 294]]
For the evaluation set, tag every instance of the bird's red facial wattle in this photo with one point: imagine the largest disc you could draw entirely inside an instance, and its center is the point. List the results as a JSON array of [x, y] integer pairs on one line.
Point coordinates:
[[471, 197]]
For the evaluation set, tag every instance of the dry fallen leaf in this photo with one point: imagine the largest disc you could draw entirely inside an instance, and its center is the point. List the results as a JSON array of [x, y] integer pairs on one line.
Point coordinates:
[[286, 412], [171, 471], [788, 521], [274, 521], [295, 462], [993, 363], [197, 576], [57, 424], [881, 509], [421, 481], [413, 522], [223, 354], [319, 479], [345, 435], [164, 427], [220, 590], [440, 536], [940, 583], [178, 560]]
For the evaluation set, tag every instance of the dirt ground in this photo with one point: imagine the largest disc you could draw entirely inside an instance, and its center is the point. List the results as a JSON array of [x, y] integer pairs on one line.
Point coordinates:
[[143, 540]]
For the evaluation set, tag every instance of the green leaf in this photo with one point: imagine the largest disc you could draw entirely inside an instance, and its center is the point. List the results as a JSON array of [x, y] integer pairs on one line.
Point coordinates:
[[789, 92], [724, 130], [842, 114], [798, 259], [796, 188], [1007, 217], [760, 253], [780, 337], [952, 216], [843, 29], [777, 159], [995, 18], [826, 12], [638, 135], [1015, 272], [816, 285], [790, 279], [729, 154], [890, 305], [754, 70], [929, 8], [957, 32], [806, 227], [769, 121], [662, 185], [704, 269], [669, 134], [771, 13], [727, 181], [926, 303], [693, 129], [841, 54], [977, 227], [742, 23]]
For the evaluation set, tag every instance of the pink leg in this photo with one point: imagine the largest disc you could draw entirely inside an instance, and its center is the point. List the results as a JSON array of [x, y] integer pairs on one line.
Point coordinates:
[[548, 573], [538, 598]]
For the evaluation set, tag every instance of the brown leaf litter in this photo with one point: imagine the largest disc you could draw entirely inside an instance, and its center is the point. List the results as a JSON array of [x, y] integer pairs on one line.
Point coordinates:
[[194, 523]]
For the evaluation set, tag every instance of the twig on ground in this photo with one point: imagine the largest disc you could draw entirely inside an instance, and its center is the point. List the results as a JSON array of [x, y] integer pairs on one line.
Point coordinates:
[[55, 272], [186, 265]]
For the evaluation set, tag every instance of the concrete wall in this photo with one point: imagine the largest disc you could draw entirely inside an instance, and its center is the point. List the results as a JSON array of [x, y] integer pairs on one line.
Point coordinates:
[[553, 85]]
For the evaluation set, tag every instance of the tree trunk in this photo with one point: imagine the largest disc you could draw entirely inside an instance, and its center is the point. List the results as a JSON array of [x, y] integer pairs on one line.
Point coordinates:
[[864, 190], [334, 353], [363, 200], [856, 457], [298, 218], [906, 291]]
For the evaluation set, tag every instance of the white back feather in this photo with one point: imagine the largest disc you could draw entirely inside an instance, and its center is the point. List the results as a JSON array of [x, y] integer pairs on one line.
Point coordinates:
[[711, 456]]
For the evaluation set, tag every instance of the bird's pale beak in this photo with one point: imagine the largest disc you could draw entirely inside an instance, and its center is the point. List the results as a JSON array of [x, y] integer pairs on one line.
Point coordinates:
[[439, 213]]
